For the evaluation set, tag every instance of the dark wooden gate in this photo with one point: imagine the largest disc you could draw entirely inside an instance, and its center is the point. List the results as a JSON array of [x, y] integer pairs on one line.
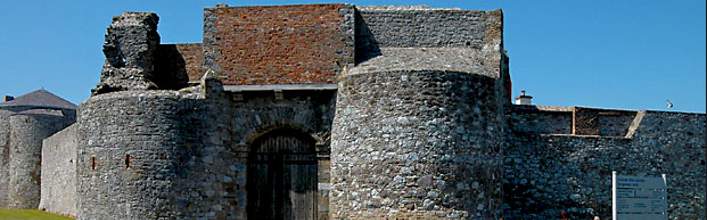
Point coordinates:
[[282, 177]]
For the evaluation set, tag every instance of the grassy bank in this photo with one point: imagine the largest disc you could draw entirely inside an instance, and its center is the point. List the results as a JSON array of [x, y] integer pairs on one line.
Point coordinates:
[[29, 214]]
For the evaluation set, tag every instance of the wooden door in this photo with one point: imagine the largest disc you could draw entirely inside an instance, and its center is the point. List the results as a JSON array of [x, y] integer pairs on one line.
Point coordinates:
[[282, 177]]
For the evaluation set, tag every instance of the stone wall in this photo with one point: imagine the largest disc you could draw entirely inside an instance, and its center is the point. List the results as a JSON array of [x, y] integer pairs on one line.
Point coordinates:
[[210, 182], [615, 122], [260, 111], [419, 125], [417, 144], [379, 27], [58, 188], [159, 153], [547, 174], [27, 132], [189, 155], [679, 144], [4, 155], [570, 120], [540, 120], [132, 146], [292, 44]]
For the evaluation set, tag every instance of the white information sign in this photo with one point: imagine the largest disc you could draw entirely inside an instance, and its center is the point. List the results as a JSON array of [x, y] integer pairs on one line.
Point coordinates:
[[634, 197]]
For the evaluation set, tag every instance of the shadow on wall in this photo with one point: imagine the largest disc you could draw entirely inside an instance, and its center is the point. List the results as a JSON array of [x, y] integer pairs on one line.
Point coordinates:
[[368, 46], [171, 68]]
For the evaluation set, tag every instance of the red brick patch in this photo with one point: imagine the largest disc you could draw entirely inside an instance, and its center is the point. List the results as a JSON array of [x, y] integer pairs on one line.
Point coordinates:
[[281, 44]]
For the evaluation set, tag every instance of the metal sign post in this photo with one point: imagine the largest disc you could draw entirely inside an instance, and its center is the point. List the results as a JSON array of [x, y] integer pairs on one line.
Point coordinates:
[[638, 197]]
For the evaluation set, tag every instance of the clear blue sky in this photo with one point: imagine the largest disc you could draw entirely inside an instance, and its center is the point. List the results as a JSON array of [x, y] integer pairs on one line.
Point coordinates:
[[617, 54]]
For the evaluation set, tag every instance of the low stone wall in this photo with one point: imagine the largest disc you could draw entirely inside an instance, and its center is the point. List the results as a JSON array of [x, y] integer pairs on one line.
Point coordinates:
[[540, 120], [532, 119], [547, 174], [59, 172]]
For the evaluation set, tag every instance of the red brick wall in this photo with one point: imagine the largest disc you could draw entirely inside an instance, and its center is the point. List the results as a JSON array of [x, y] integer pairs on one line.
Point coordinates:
[[177, 64], [293, 44], [193, 57]]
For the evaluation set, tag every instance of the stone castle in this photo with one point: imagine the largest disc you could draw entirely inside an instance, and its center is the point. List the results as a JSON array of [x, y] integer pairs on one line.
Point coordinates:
[[330, 111]]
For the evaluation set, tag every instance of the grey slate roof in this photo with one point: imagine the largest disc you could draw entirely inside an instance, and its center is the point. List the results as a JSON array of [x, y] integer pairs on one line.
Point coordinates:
[[40, 98]]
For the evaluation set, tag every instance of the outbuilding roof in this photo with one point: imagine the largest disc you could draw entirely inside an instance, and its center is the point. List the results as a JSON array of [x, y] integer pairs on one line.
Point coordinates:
[[40, 98]]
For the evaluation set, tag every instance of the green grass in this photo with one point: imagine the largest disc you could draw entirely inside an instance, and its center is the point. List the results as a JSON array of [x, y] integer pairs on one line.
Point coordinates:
[[29, 214]]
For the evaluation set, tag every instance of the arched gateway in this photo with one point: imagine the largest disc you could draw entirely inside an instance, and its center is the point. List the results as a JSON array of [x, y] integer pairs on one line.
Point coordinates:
[[282, 176]]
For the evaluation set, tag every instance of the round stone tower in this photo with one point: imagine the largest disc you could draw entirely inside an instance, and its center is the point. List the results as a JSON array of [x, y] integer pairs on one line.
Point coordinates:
[[418, 135], [129, 154], [28, 129]]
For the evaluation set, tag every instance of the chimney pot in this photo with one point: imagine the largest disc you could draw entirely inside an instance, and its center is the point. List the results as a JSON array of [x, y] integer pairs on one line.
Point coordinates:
[[524, 99], [7, 98]]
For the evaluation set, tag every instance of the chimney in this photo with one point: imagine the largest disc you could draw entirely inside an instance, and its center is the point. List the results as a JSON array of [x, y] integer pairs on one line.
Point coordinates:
[[7, 98], [524, 99]]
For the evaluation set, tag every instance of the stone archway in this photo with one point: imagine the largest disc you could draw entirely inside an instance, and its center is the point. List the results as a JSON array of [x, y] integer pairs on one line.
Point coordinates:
[[282, 176]]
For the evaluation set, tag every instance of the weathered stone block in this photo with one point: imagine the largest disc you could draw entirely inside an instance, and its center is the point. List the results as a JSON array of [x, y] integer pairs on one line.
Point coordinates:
[[130, 45]]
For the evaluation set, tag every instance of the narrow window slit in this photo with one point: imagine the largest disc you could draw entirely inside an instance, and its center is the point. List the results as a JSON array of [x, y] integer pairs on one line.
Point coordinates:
[[127, 161], [93, 163]]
